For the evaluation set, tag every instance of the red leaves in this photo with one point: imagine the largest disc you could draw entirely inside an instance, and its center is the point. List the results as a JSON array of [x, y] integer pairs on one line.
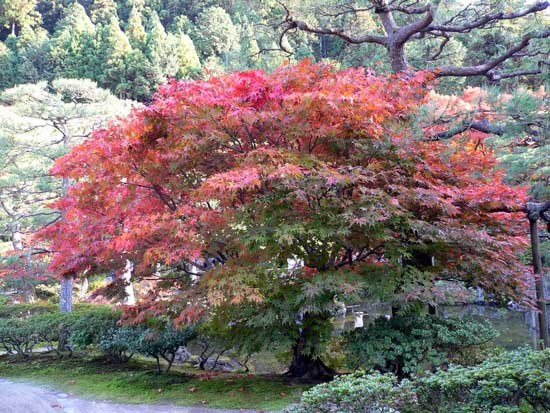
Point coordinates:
[[168, 185]]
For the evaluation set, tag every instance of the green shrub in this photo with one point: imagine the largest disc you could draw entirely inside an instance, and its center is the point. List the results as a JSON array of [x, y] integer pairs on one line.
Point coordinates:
[[89, 326], [357, 392], [22, 326], [162, 343], [53, 329], [25, 310], [407, 345], [517, 381], [17, 336], [512, 382], [118, 343]]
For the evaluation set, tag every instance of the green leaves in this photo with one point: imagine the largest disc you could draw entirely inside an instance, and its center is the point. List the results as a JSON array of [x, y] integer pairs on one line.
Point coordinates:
[[406, 345], [511, 382]]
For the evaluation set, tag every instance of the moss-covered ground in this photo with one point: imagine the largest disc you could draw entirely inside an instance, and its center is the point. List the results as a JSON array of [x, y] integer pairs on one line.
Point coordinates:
[[138, 382]]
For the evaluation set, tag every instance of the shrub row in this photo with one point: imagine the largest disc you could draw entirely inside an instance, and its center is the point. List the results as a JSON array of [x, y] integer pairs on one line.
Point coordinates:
[[26, 310], [91, 326], [511, 382]]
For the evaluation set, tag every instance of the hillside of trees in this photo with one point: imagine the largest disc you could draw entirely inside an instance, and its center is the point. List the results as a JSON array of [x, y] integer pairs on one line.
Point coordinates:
[[132, 46]]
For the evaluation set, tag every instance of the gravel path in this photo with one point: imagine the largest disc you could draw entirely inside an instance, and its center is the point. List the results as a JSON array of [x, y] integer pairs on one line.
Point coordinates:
[[19, 397]]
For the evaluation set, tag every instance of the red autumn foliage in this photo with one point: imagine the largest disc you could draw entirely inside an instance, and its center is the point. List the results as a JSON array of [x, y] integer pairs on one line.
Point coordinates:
[[209, 165]]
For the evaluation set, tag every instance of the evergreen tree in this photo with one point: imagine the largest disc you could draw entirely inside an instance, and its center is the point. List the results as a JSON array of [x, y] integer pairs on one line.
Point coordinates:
[[48, 118], [188, 59], [111, 54], [135, 31], [249, 50], [28, 55], [138, 82], [14, 14], [72, 47], [7, 66], [214, 33], [161, 51], [102, 11]]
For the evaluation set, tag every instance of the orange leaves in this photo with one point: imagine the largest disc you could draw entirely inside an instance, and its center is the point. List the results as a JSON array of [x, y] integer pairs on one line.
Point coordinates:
[[244, 179], [220, 171]]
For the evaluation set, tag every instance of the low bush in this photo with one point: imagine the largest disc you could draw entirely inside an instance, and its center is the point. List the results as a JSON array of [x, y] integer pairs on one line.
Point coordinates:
[[517, 381], [17, 336], [90, 326], [25, 310], [161, 343], [405, 345], [52, 329], [24, 326], [357, 392], [512, 382], [118, 343]]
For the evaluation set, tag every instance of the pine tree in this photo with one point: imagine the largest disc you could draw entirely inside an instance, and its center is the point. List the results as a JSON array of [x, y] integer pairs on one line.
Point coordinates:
[[138, 83], [161, 51], [249, 50], [188, 59], [7, 67]]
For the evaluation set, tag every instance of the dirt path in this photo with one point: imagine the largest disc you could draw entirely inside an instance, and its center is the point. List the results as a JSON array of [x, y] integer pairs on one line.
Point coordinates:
[[18, 397]]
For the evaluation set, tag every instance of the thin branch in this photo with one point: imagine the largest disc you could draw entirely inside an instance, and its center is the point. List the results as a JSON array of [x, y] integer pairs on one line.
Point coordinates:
[[495, 76], [489, 18]]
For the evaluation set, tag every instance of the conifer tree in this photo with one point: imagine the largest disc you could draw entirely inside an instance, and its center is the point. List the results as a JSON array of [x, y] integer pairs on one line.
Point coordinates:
[[7, 66], [113, 49], [72, 48], [14, 14], [249, 50], [135, 31], [214, 33], [188, 63], [102, 11], [161, 51]]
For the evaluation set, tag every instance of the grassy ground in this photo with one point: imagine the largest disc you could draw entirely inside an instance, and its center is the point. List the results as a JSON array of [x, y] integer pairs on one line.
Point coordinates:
[[137, 382]]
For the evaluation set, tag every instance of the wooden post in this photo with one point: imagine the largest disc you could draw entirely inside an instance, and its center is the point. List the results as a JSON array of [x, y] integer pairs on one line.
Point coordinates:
[[539, 280]]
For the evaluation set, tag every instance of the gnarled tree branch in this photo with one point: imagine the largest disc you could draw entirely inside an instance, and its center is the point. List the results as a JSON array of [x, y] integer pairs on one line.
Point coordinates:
[[487, 67]]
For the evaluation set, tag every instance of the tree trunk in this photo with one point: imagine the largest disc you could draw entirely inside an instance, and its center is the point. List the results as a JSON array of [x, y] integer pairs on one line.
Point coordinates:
[[397, 58], [66, 298], [129, 294], [306, 366], [539, 282], [17, 240], [84, 286]]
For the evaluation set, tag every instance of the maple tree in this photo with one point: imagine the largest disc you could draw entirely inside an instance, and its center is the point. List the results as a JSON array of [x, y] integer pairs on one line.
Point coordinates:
[[515, 125], [257, 201]]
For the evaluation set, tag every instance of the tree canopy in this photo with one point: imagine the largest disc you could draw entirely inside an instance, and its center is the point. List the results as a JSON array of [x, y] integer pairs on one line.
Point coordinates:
[[234, 178]]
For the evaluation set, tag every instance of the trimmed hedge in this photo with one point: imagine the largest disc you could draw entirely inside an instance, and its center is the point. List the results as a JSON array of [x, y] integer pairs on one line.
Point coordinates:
[[26, 310], [89, 326], [512, 382]]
